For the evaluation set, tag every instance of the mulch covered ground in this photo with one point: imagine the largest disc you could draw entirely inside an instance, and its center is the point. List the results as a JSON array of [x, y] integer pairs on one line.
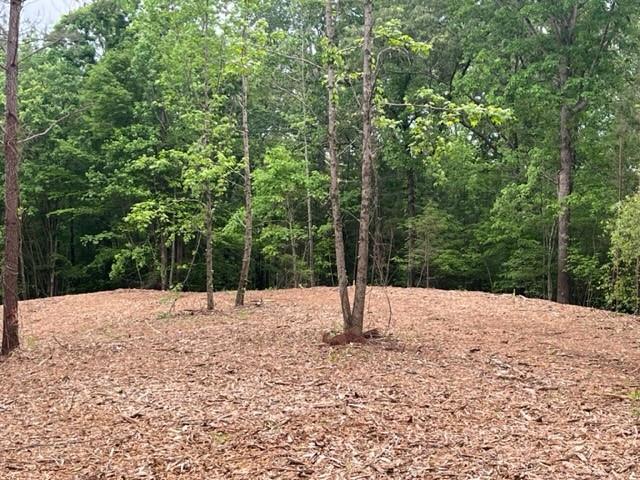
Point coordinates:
[[127, 385]]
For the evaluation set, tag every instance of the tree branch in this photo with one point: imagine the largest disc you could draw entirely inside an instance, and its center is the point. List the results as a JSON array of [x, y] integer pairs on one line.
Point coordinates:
[[52, 125]]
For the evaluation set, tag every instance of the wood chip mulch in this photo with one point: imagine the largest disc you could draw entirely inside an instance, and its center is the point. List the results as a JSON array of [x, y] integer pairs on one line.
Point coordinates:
[[136, 385]]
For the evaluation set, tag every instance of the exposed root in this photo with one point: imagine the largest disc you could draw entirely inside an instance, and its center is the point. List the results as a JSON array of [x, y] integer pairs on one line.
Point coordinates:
[[350, 337]]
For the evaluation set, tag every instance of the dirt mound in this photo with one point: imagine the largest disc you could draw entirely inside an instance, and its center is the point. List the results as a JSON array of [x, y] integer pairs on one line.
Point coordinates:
[[140, 384]]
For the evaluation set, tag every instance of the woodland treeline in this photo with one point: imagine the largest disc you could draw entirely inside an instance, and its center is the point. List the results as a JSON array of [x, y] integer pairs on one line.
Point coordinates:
[[504, 146]]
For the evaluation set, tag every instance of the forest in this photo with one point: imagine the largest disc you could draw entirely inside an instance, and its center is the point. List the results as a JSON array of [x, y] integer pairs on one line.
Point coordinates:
[[504, 147], [327, 239]]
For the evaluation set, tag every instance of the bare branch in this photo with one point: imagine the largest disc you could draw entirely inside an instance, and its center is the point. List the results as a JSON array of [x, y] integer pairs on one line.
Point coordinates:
[[52, 125]]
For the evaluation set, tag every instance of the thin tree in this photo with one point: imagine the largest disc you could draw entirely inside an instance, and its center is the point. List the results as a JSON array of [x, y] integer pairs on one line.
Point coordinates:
[[10, 337], [248, 214], [208, 212], [310, 240], [343, 281], [357, 315]]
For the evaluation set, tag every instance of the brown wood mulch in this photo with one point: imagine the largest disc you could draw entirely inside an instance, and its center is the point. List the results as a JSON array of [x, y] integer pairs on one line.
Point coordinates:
[[129, 385]]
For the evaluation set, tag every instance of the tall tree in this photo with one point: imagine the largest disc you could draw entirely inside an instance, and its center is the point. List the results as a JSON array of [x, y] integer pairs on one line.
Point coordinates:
[[246, 154], [10, 333], [332, 52], [362, 273]]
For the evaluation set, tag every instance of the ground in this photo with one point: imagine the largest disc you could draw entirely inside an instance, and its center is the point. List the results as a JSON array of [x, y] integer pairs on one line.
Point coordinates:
[[129, 384]]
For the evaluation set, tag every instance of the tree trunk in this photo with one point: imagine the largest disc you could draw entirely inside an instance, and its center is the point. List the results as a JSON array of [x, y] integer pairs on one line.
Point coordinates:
[[208, 213], [564, 190], [378, 247], [620, 180], [163, 263], [53, 253], [10, 337], [208, 220], [24, 287], [248, 199], [411, 237], [72, 242], [343, 281], [172, 264], [294, 253], [310, 239], [565, 35], [357, 315]]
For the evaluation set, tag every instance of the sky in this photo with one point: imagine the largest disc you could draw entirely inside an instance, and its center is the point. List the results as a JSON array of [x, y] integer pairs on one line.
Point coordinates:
[[45, 13]]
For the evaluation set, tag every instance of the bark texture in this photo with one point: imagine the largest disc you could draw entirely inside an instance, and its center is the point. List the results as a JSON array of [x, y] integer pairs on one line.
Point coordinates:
[[343, 281], [248, 198], [357, 315], [10, 332], [564, 190], [565, 33]]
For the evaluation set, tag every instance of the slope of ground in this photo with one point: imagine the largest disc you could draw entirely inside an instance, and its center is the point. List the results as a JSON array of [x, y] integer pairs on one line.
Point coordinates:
[[130, 384]]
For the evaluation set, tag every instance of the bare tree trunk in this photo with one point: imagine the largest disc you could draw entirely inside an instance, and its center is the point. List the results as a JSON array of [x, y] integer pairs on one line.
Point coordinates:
[[294, 253], [620, 181], [208, 213], [565, 35], [163, 263], [411, 213], [564, 190], [343, 281], [248, 199], [172, 265], [10, 332], [208, 220], [53, 253], [379, 274], [310, 239], [23, 274], [357, 315]]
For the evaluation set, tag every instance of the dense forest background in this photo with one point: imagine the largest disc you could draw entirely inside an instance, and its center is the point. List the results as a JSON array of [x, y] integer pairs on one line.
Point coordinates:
[[506, 146]]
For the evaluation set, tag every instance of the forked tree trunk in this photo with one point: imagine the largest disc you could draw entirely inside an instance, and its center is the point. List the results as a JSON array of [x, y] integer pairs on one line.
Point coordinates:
[[10, 337], [341, 269], [357, 315], [248, 199]]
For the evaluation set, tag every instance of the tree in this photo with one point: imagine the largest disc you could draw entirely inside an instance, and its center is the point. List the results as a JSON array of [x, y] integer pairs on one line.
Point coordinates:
[[10, 332], [248, 217], [563, 55], [357, 314], [624, 289], [281, 188], [251, 49], [331, 58]]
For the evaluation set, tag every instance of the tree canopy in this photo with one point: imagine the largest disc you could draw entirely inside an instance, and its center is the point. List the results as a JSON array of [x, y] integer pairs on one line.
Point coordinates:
[[504, 147]]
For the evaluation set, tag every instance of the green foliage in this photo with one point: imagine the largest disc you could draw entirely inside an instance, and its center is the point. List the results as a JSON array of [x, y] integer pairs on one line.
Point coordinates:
[[281, 186], [624, 291], [140, 102]]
